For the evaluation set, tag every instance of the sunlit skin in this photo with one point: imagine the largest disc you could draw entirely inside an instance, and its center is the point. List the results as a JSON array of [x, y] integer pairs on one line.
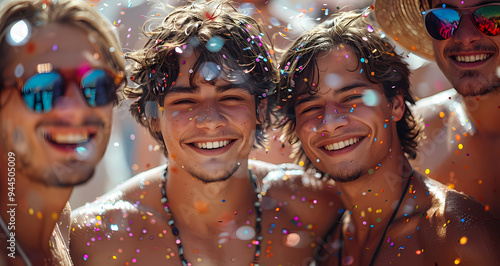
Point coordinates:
[[472, 167], [209, 192], [46, 173], [428, 224]]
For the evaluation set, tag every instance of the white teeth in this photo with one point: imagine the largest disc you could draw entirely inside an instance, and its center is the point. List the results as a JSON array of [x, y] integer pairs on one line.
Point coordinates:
[[70, 138], [471, 58], [212, 145], [341, 144]]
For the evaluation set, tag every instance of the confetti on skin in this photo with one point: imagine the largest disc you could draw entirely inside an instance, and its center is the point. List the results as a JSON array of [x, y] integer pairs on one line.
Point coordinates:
[[19, 33], [19, 70]]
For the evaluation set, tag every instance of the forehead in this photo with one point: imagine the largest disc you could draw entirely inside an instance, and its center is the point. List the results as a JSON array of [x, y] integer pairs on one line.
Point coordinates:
[[461, 3], [204, 75], [339, 66], [54, 45]]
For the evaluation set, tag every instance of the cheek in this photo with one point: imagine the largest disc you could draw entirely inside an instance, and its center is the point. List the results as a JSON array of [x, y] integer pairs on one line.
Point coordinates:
[[105, 113]]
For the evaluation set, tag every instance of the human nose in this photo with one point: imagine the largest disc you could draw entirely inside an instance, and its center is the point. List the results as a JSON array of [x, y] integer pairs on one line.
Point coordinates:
[[71, 106], [467, 33], [333, 119], [209, 117]]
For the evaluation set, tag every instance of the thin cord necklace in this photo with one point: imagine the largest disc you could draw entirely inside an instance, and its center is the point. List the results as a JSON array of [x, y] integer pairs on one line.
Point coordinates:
[[176, 233], [372, 261]]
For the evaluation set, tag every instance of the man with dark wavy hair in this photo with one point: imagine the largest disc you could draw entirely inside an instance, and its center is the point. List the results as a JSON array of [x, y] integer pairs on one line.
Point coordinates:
[[203, 81], [345, 101], [462, 131], [60, 70]]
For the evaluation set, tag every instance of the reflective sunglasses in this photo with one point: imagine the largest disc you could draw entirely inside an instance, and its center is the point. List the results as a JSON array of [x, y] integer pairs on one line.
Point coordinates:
[[41, 91], [441, 23]]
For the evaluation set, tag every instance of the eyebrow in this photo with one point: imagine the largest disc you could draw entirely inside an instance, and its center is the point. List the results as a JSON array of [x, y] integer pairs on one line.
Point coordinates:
[[347, 88], [350, 87], [189, 89]]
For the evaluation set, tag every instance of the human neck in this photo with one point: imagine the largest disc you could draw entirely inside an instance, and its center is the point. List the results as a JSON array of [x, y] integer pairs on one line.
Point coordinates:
[[199, 207], [372, 199], [484, 112], [37, 210]]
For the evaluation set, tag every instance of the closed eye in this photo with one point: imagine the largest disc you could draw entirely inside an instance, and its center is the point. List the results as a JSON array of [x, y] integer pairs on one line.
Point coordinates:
[[352, 97], [232, 98], [309, 109], [183, 101]]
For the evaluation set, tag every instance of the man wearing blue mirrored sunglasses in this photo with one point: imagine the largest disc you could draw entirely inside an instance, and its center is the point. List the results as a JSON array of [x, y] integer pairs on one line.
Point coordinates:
[[462, 125], [59, 73]]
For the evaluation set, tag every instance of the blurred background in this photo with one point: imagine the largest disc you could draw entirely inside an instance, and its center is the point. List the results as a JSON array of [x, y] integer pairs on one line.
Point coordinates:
[[131, 150]]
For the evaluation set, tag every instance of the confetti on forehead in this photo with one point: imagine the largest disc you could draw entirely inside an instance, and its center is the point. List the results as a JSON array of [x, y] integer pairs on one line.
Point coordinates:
[[19, 33]]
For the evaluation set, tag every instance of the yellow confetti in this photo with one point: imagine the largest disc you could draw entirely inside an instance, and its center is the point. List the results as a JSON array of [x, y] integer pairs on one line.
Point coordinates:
[[427, 171], [463, 240], [457, 261], [460, 146], [441, 114]]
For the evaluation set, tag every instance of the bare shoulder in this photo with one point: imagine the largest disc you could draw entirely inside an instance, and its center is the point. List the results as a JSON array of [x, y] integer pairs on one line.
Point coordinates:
[[305, 194], [460, 229], [98, 229]]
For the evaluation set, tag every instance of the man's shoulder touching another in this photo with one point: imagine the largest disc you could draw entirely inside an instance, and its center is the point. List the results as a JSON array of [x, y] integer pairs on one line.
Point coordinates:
[[131, 210]]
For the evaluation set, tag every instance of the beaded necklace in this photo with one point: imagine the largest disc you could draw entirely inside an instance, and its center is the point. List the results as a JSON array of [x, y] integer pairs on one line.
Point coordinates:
[[176, 233]]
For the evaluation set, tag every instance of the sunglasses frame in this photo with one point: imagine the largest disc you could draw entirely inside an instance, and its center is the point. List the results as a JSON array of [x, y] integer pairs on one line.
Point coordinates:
[[117, 79], [460, 12]]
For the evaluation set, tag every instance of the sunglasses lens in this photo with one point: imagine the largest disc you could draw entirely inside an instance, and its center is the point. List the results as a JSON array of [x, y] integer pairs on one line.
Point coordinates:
[[441, 23], [487, 19], [98, 87], [40, 91]]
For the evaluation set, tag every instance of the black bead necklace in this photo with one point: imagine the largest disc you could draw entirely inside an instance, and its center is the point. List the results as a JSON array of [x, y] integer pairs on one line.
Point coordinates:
[[176, 233]]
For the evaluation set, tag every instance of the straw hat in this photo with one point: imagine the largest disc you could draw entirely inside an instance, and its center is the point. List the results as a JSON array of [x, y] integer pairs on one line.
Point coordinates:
[[401, 20]]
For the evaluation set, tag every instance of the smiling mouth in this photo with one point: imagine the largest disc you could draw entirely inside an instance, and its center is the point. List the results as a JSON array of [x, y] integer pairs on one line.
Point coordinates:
[[69, 138], [342, 144], [472, 58], [212, 145]]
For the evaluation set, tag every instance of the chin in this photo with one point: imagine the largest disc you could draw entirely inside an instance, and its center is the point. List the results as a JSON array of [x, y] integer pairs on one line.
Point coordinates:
[[61, 175], [214, 174], [346, 175]]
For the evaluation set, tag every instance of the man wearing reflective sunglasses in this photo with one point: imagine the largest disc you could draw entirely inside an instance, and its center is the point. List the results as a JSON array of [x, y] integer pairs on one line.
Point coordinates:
[[462, 125], [60, 69]]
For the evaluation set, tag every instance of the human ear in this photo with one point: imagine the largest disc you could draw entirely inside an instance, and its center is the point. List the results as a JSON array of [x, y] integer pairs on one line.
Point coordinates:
[[398, 107]]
